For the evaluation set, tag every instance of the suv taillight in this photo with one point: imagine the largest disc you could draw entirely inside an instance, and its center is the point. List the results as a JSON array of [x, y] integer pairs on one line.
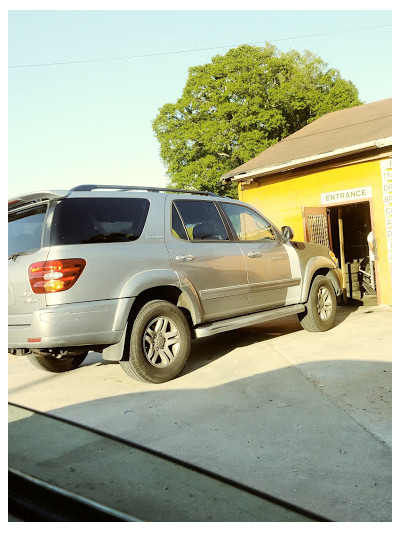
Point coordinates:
[[55, 276]]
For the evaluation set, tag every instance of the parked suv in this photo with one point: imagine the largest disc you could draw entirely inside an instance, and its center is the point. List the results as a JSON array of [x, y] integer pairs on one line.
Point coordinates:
[[136, 273]]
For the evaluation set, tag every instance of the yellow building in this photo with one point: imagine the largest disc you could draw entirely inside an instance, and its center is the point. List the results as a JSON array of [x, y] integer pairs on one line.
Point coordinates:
[[332, 182]]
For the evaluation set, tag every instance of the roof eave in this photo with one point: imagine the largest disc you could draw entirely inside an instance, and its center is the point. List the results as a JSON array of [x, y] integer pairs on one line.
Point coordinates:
[[317, 158]]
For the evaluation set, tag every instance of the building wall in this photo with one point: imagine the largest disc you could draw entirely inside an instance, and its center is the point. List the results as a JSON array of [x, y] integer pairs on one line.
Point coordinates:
[[281, 200]]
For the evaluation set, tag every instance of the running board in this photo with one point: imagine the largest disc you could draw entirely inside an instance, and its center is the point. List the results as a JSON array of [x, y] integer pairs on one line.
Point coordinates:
[[247, 320]]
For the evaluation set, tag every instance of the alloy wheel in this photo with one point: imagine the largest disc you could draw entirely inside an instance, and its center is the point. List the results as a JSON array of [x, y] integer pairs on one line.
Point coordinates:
[[324, 303], [161, 341]]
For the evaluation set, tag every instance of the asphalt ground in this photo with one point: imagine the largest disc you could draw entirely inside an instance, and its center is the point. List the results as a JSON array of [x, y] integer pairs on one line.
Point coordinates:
[[305, 417]]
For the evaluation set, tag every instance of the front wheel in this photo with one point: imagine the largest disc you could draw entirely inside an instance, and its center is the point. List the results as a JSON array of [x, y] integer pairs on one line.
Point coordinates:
[[320, 311], [159, 343], [51, 363]]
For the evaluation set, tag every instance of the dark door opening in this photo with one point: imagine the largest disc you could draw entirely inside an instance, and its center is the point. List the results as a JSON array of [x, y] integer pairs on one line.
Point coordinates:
[[356, 227], [358, 268], [322, 226]]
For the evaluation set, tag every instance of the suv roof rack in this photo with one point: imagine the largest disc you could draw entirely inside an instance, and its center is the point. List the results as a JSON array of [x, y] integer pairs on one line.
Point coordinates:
[[138, 188]]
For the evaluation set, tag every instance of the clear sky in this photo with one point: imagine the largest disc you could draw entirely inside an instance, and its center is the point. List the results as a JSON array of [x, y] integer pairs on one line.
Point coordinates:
[[90, 122]]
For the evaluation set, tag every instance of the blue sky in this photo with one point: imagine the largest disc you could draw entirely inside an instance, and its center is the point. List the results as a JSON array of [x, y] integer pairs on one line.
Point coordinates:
[[90, 122]]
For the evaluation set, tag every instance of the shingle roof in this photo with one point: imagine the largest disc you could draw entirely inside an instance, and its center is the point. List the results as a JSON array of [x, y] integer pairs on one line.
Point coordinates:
[[330, 134]]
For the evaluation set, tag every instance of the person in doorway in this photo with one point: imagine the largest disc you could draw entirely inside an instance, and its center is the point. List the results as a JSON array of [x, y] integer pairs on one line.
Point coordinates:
[[372, 256]]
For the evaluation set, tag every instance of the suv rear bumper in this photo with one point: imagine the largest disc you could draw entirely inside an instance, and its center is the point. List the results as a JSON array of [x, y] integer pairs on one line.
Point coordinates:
[[69, 325]]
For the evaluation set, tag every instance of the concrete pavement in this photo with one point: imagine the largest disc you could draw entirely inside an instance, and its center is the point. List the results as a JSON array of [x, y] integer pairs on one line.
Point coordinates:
[[303, 416]]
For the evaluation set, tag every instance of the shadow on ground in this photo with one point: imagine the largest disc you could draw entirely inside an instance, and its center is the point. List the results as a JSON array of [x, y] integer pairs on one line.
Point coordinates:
[[206, 350], [275, 431]]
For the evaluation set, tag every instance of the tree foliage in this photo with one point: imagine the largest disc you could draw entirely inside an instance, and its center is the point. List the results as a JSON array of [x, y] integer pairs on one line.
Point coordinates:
[[240, 104]]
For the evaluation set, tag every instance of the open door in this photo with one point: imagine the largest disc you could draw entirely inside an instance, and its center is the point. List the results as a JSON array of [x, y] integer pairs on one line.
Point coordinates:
[[317, 225]]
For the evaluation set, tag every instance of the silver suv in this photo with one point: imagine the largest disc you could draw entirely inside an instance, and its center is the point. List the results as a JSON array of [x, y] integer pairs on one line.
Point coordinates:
[[137, 272]]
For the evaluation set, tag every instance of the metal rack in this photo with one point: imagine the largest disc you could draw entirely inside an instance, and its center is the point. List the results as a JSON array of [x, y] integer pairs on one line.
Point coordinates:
[[139, 188]]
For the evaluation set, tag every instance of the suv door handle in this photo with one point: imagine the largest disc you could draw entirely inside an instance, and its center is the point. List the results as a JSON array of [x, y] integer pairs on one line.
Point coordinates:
[[184, 257], [254, 254]]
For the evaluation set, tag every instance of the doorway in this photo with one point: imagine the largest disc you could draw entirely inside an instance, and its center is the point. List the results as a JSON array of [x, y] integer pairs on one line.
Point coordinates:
[[354, 222], [356, 227]]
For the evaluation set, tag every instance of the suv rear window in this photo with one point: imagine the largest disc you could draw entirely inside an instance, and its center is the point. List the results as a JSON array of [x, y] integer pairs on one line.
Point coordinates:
[[97, 220], [25, 230]]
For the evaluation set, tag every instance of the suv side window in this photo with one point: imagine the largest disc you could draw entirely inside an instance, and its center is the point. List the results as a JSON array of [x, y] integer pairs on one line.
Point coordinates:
[[201, 220], [98, 220], [178, 229], [25, 230], [248, 225]]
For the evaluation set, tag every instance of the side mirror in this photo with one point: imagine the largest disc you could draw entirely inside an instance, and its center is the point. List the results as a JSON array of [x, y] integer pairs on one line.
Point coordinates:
[[287, 234]]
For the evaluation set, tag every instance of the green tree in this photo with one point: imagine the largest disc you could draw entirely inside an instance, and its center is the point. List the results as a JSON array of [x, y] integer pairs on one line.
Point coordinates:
[[240, 104]]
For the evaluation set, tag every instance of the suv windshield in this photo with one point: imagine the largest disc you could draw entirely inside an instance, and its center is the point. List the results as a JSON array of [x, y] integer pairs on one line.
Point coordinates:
[[25, 230], [97, 220]]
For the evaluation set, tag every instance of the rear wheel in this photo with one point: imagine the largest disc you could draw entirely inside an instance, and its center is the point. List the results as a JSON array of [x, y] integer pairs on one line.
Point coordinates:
[[52, 363], [320, 311], [159, 343]]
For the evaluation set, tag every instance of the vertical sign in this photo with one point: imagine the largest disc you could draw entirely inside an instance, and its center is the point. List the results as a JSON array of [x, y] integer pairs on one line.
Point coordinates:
[[386, 173]]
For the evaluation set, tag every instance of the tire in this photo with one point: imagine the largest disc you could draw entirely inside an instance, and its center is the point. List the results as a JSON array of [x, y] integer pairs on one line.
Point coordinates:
[[354, 277], [354, 267], [355, 286], [159, 343], [50, 363], [355, 295], [320, 311]]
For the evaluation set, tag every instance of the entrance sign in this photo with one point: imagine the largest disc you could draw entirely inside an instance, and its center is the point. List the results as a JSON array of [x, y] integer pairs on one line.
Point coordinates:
[[386, 173], [345, 196]]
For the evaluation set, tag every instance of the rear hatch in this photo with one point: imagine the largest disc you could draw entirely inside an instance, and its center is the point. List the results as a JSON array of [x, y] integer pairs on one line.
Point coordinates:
[[26, 223]]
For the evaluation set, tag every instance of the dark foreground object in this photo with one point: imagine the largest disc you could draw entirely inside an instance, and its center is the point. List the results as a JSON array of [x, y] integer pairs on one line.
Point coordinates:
[[63, 472]]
